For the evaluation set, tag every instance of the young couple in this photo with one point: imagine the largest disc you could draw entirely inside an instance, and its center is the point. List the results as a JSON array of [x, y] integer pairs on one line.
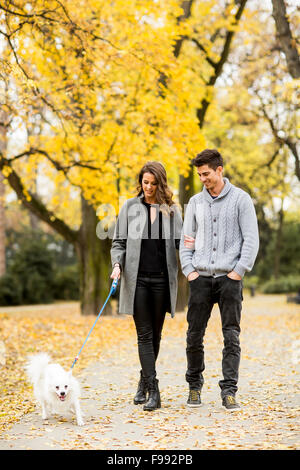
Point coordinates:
[[217, 244]]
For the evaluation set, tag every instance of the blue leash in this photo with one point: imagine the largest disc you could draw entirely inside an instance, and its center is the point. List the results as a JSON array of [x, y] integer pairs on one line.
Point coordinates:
[[112, 290]]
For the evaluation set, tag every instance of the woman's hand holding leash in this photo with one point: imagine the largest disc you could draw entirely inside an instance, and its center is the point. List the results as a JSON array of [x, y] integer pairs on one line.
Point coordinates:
[[116, 273]]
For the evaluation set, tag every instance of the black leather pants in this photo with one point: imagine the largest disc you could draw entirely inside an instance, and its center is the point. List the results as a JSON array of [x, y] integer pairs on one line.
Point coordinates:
[[150, 304]]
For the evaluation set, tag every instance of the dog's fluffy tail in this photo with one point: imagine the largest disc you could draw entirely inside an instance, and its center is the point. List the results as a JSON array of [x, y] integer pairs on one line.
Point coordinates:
[[36, 365]]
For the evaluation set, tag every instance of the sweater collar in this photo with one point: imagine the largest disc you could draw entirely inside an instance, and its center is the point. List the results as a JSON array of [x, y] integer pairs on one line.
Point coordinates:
[[223, 193]]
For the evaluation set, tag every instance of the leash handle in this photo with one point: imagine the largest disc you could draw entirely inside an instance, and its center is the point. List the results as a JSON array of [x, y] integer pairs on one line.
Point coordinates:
[[112, 291], [114, 286]]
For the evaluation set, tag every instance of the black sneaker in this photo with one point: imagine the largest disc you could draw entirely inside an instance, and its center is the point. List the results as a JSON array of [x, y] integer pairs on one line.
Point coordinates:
[[194, 399], [230, 403]]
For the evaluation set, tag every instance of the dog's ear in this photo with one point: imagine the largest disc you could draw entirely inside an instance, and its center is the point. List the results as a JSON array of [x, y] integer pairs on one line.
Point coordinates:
[[70, 373]]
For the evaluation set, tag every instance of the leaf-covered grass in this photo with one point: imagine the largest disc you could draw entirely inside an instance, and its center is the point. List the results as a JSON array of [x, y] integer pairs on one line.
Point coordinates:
[[58, 329], [270, 341]]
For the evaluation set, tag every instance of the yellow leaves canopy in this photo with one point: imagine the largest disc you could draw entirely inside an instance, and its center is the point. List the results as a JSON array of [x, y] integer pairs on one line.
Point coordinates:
[[109, 94]]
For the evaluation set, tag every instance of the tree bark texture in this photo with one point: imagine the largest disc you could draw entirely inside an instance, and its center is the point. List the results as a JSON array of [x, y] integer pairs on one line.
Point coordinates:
[[95, 264], [286, 41], [3, 145]]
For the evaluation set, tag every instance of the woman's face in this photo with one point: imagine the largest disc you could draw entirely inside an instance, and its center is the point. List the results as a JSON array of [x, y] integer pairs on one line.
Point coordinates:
[[149, 186]]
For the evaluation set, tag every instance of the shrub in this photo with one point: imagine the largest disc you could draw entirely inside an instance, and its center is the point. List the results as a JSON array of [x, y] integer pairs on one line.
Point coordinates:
[[33, 268], [10, 290], [66, 283], [38, 270], [283, 285], [250, 281]]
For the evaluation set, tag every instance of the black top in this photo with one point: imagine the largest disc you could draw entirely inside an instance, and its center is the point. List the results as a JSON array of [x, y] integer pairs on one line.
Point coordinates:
[[153, 247]]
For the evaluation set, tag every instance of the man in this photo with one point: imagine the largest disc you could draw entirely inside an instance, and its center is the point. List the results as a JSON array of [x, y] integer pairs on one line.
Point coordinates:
[[219, 244]]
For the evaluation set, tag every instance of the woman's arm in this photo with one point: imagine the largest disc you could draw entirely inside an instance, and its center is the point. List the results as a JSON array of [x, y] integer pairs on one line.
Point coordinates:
[[119, 243]]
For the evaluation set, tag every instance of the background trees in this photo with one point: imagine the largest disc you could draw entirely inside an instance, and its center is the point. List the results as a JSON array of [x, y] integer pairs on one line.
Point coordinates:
[[91, 90], [84, 85]]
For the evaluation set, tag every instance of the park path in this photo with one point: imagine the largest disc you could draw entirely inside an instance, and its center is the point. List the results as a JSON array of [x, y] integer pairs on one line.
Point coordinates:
[[268, 393]]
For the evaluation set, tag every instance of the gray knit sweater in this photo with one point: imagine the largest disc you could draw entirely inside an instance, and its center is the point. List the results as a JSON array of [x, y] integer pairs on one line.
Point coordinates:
[[226, 233]]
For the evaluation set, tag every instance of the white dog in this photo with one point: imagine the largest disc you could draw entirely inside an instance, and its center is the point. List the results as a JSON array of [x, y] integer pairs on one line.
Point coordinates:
[[55, 389]]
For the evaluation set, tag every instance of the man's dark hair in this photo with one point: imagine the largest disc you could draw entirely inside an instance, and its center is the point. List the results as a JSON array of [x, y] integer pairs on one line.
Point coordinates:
[[210, 157]]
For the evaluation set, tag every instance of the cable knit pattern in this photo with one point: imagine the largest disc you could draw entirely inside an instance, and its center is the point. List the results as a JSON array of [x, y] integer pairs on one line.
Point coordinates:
[[225, 231]]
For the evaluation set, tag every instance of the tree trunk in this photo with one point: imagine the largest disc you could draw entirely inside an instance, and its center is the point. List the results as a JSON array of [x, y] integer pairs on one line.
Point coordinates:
[[33, 219], [285, 39], [3, 147], [95, 265], [2, 227], [186, 191], [183, 291], [278, 244], [186, 188]]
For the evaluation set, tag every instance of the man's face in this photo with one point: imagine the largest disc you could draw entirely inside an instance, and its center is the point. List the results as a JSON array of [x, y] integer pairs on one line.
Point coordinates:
[[210, 177]]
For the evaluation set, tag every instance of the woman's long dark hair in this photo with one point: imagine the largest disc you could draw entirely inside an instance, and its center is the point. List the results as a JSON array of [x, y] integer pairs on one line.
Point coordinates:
[[164, 194]]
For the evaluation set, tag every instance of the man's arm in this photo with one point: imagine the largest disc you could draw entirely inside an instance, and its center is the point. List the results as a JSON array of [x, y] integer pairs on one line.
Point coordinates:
[[249, 229], [119, 242]]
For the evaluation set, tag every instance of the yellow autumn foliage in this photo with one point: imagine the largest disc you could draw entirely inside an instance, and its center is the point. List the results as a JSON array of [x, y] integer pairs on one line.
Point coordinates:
[[102, 92]]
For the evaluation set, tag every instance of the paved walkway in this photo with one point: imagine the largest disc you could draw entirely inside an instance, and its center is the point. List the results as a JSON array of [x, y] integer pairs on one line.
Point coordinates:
[[269, 381]]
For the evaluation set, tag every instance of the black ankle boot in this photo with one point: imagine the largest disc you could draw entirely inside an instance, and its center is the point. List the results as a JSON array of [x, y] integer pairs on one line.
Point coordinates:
[[141, 392], [154, 395]]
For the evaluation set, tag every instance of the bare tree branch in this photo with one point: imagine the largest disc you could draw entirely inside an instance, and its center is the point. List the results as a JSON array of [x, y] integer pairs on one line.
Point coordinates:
[[32, 203], [187, 11], [218, 66], [56, 164], [284, 141]]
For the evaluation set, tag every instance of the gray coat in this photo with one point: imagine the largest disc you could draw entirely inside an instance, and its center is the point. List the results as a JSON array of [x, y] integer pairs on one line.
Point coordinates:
[[126, 248]]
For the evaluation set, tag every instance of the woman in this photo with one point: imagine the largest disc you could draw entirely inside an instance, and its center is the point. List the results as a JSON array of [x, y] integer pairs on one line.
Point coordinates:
[[143, 253]]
